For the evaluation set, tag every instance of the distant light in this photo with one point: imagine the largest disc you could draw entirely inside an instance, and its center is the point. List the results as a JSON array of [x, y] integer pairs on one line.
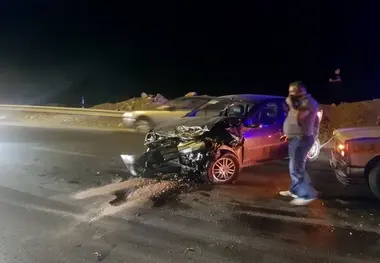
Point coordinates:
[[127, 114]]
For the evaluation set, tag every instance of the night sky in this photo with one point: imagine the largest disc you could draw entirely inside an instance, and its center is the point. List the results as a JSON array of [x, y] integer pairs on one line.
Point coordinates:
[[56, 51]]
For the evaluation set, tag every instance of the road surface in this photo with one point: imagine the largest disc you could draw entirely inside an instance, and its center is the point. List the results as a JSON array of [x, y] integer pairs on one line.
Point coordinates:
[[65, 197]]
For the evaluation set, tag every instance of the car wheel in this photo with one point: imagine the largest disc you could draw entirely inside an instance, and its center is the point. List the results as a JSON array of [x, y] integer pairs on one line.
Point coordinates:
[[223, 170], [315, 150], [144, 125], [374, 180]]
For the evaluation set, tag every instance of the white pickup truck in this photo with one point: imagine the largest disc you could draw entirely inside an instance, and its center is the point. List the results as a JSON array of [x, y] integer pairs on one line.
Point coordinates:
[[355, 156]]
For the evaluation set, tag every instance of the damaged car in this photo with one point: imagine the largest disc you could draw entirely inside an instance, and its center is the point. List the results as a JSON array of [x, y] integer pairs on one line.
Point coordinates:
[[217, 139]]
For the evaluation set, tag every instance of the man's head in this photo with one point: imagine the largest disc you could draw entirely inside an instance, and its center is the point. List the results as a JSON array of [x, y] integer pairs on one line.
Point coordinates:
[[297, 89], [337, 71]]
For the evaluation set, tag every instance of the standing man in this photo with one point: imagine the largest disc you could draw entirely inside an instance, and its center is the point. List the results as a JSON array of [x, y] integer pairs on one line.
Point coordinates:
[[336, 78], [300, 131], [335, 88]]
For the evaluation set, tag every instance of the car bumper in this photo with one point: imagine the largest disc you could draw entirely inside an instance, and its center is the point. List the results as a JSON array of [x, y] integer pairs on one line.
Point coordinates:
[[345, 173], [129, 122]]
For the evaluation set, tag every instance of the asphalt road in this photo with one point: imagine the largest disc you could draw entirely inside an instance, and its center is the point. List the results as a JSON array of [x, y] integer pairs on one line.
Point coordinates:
[[65, 197]]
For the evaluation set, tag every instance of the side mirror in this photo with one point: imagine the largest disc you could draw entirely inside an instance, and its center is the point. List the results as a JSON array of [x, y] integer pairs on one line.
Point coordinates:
[[254, 125], [251, 124]]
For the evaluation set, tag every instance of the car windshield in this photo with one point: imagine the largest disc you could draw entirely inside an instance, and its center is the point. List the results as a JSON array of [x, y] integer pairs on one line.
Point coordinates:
[[216, 107], [187, 103]]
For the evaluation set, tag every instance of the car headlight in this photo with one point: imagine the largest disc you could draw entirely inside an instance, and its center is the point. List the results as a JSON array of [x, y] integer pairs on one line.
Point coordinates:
[[128, 114], [150, 136], [187, 148]]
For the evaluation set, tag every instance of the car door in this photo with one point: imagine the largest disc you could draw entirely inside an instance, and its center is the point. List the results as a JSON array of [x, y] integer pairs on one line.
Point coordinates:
[[280, 146], [262, 134]]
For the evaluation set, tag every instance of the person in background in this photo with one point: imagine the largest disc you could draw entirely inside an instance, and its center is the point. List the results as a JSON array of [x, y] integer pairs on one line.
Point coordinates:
[[335, 87], [300, 133], [336, 78]]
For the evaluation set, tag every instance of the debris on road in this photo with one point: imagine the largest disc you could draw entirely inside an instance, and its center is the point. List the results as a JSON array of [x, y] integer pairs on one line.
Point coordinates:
[[100, 256], [129, 194]]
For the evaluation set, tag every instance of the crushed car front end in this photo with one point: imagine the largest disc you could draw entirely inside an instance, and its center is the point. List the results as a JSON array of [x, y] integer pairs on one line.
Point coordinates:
[[190, 146]]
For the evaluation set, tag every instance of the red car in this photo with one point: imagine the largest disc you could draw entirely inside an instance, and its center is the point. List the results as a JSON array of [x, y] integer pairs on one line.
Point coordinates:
[[219, 138]]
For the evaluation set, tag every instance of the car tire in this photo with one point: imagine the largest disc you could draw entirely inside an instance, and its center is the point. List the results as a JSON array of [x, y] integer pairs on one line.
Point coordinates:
[[314, 152], [215, 175], [374, 180], [144, 125]]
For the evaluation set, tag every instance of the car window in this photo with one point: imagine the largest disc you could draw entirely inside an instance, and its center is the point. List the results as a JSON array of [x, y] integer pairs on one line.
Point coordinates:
[[211, 108], [237, 110], [285, 107], [283, 110], [214, 107], [268, 113], [195, 102], [186, 103]]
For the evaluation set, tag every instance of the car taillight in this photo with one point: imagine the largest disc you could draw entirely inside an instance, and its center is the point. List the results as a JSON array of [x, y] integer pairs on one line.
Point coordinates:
[[320, 114], [342, 149]]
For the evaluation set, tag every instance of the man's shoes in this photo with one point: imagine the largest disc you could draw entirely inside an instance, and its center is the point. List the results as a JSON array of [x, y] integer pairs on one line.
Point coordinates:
[[288, 194], [299, 201]]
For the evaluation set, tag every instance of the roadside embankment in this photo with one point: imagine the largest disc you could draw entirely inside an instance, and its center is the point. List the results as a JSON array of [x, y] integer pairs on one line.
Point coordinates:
[[357, 114]]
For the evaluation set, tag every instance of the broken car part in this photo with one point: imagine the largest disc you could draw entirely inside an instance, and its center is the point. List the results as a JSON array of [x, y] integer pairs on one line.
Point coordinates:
[[189, 148]]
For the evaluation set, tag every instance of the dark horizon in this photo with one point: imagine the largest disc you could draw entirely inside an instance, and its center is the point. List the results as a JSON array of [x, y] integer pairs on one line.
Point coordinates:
[[55, 52]]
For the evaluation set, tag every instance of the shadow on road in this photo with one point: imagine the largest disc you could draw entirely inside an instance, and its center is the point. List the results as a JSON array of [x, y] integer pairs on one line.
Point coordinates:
[[327, 238]]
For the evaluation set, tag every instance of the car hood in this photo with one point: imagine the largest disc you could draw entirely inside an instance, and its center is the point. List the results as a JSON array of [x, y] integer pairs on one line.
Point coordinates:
[[345, 134], [148, 110], [189, 127], [203, 122]]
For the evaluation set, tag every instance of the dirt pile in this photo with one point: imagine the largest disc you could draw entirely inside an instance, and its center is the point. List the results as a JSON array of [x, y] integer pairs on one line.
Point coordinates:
[[143, 102], [356, 114]]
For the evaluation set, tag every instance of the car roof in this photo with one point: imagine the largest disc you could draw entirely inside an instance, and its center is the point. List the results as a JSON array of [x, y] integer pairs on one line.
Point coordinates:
[[250, 97], [197, 97]]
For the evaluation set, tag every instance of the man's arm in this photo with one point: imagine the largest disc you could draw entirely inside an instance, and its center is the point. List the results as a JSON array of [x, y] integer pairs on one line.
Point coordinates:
[[303, 109], [307, 107]]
